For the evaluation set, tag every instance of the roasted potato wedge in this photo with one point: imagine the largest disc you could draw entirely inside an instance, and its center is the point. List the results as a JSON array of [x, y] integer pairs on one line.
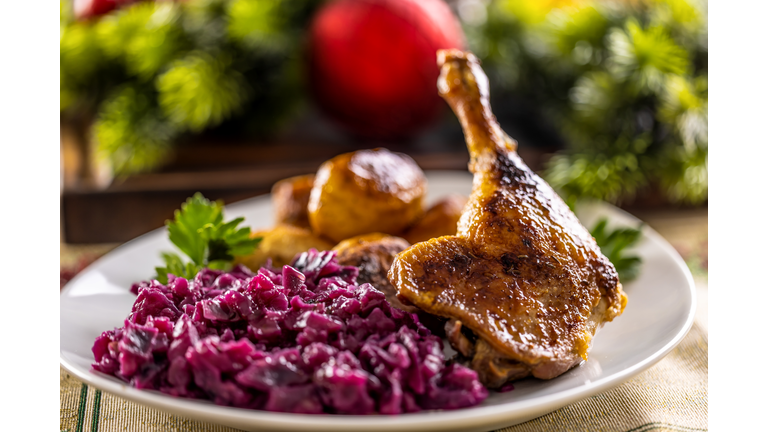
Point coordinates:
[[439, 220], [282, 243], [366, 191], [290, 198]]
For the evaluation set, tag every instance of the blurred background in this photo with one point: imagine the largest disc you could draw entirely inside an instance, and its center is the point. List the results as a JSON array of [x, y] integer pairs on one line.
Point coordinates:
[[160, 99]]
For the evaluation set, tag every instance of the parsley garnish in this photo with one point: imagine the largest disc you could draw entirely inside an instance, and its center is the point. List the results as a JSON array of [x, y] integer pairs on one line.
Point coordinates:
[[199, 232], [613, 244]]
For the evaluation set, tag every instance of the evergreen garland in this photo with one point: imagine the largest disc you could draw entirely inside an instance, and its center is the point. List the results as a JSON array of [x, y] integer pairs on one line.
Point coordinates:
[[624, 82], [151, 72]]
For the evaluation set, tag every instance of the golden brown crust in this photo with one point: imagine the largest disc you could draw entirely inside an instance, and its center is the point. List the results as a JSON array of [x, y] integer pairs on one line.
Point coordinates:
[[522, 273], [438, 220], [290, 198], [366, 191]]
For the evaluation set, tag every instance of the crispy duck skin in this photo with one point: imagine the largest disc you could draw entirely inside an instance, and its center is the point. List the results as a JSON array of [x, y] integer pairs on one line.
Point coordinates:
[[521, 273]]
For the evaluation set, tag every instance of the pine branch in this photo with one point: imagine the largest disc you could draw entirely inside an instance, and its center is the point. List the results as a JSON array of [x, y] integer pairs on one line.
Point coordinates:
[[200, 91], [144, 36], [131, 133], [596, 176], [616, 80]]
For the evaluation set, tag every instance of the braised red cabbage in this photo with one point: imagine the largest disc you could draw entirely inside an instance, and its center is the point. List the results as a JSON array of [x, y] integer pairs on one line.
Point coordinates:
[[303, 339]]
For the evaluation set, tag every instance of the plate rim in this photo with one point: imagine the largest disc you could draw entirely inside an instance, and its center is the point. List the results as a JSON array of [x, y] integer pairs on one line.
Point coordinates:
[[480, 417]]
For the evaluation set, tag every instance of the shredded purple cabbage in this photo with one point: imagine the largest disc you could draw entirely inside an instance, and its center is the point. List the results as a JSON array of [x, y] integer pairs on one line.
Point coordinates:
[[306, 339]]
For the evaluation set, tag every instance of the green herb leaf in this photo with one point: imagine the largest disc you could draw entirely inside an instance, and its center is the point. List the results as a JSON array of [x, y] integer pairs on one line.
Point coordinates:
[[613, 244], [185, 230], [225, 241], [175, 265], [198, 230]]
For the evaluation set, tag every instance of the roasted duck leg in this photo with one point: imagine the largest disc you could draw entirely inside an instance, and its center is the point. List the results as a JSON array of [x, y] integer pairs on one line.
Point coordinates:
[[524, 285]]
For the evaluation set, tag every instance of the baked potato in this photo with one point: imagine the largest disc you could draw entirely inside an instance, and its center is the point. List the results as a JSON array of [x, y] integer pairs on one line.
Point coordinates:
[[366, 191], [290, 198], [439, 220], [281, 244]]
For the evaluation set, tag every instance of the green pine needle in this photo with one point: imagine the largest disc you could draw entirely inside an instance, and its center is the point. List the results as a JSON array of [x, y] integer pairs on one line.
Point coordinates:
[[645, 56], [145, 36], [683, 174], [156, 43], [257, 22], [615, 80], [191, 64], [684, 18], [524, 11], [131, 133], [598, 176], [684, 105], [577, 33], [117, 29], [595, 96], [200, 91], [80, 53]]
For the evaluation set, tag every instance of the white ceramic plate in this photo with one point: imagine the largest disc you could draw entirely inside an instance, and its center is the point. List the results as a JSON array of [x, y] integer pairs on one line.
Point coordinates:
[[659, 313]]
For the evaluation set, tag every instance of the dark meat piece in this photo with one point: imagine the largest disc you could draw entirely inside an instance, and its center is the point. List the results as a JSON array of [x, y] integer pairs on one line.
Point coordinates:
[[459, 338], [373, 254]]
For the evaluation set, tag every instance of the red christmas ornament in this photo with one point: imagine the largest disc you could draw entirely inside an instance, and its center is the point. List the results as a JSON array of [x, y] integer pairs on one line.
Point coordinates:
[[372, 63], [85, 9]]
